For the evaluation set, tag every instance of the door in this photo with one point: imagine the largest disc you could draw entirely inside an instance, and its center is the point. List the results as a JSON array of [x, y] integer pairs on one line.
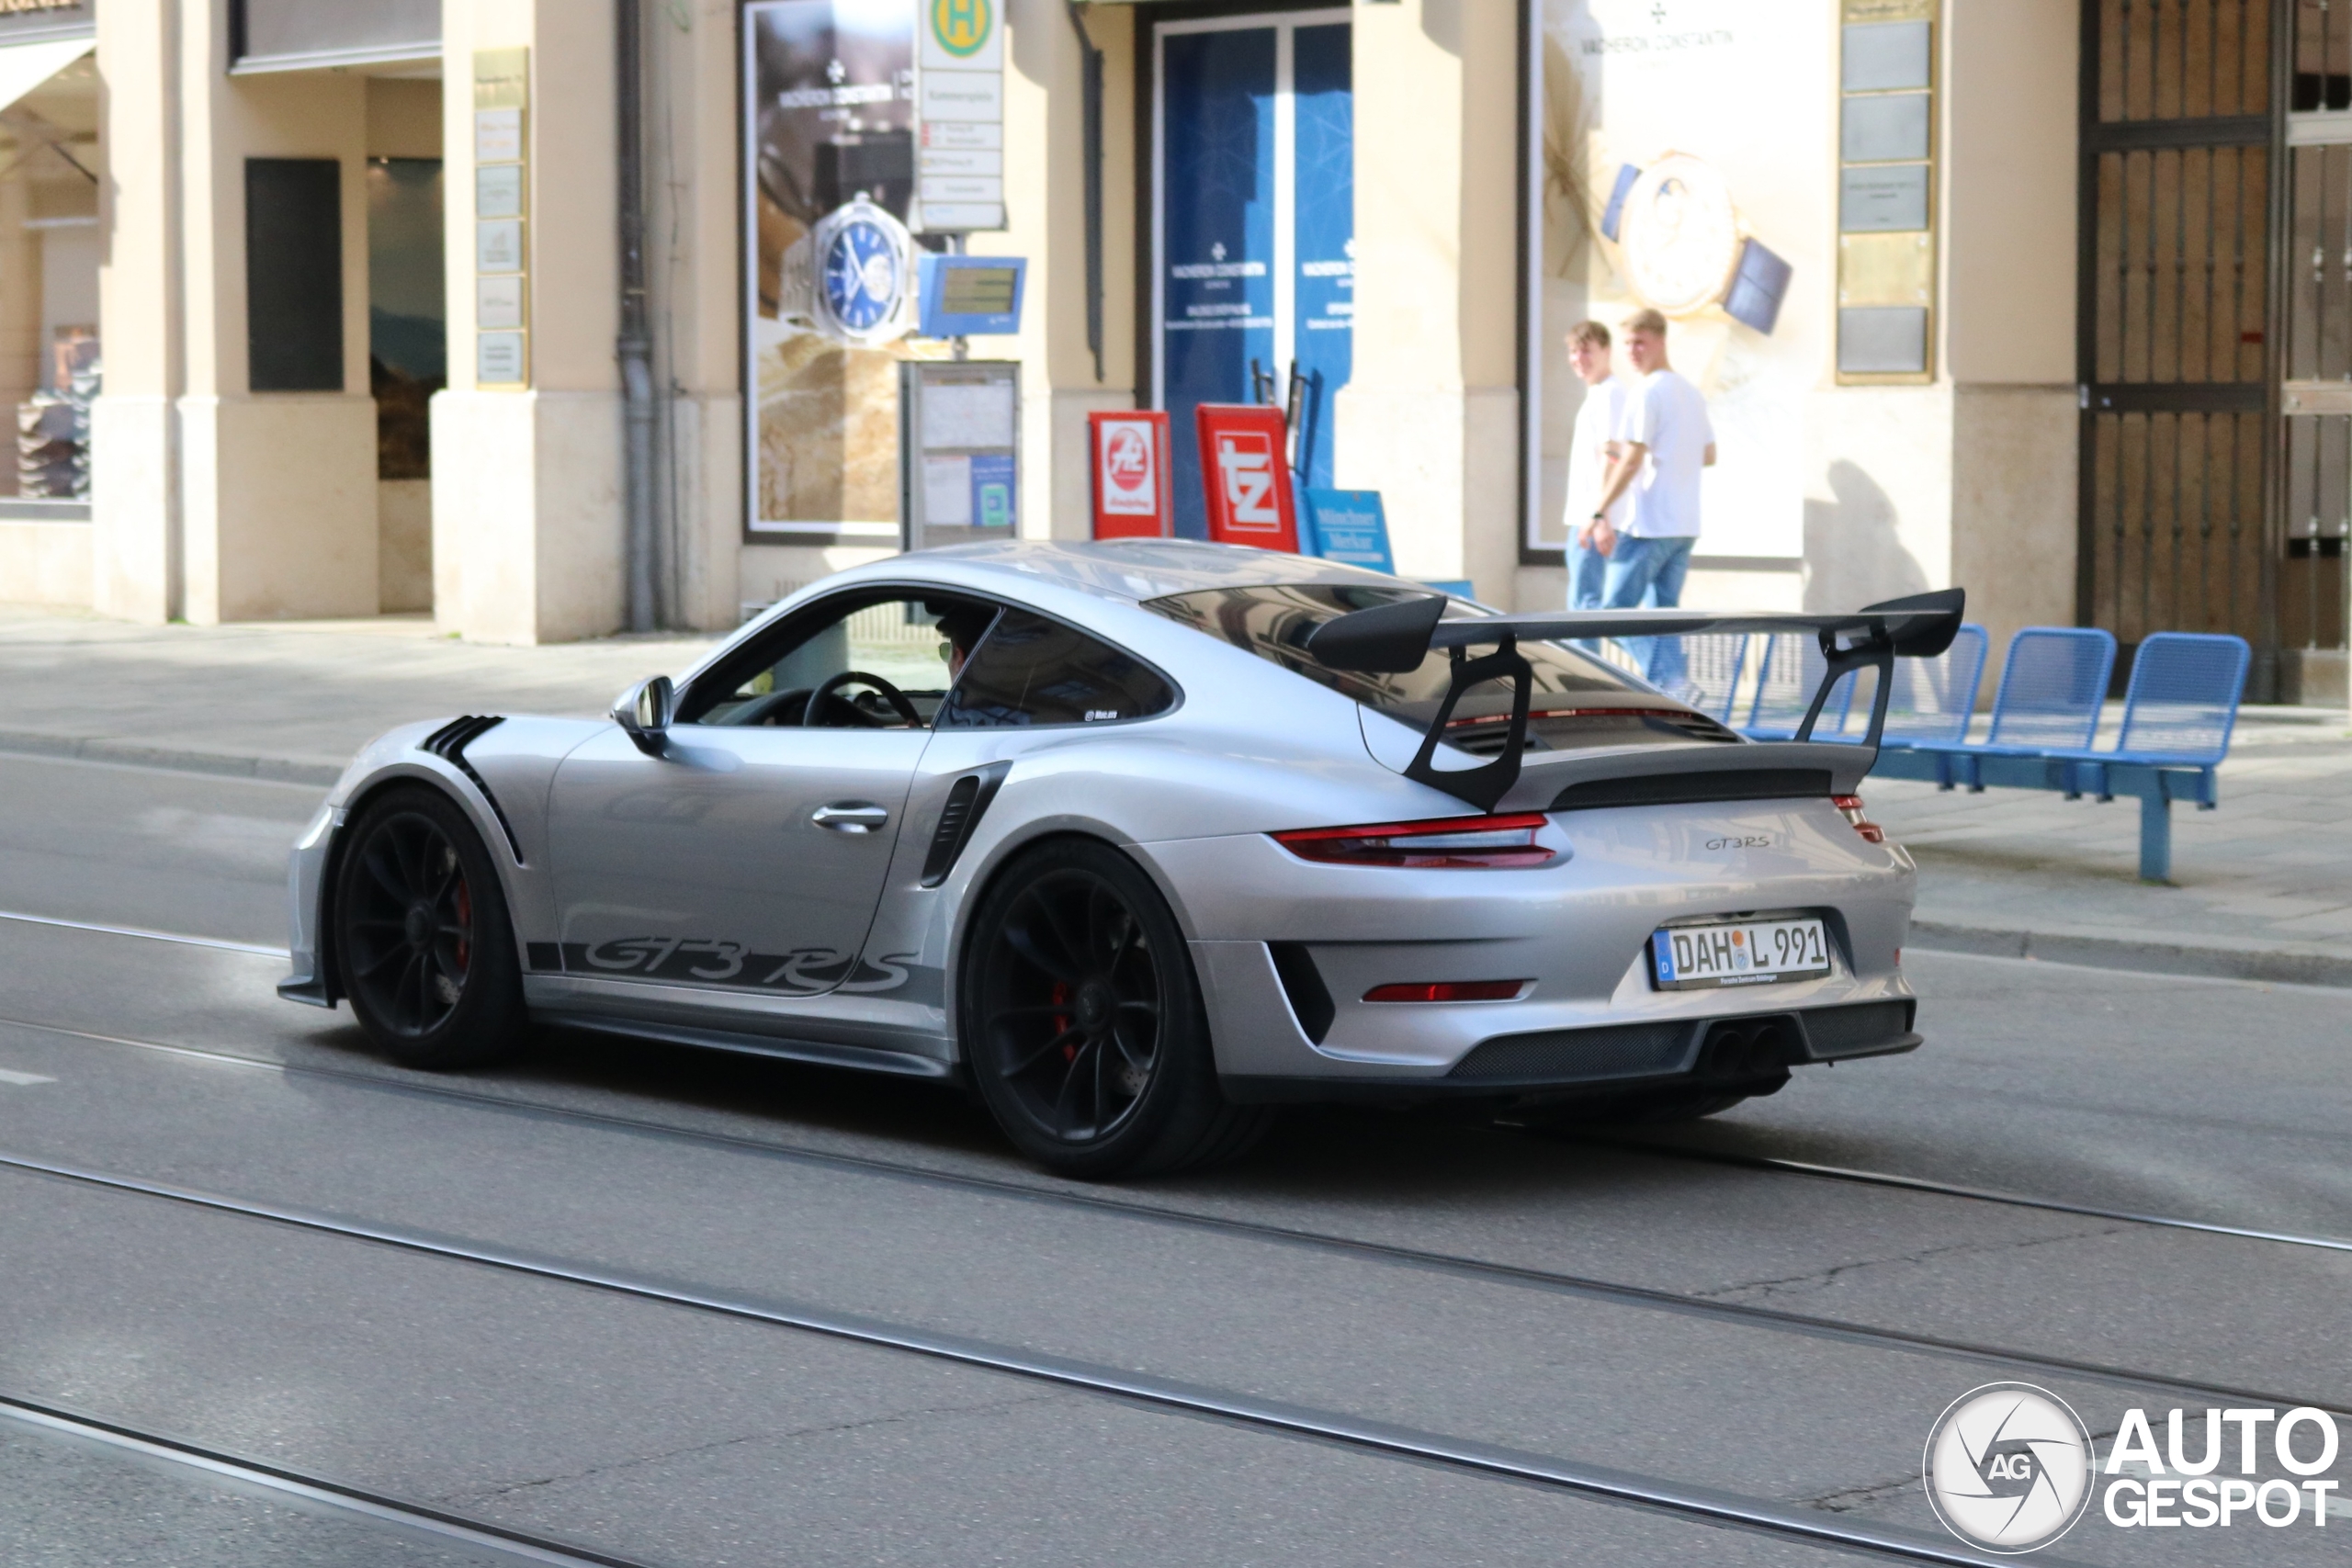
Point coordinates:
[[2178, 446], [751, 854], [1253, 227], [2315, 370]]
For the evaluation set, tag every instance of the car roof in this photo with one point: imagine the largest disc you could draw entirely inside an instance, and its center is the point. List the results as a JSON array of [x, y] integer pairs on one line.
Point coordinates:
[[1132, 570]]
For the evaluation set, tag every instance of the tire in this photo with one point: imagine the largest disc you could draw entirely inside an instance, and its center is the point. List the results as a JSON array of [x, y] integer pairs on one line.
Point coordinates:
[[1081, 1021], [422, 945]]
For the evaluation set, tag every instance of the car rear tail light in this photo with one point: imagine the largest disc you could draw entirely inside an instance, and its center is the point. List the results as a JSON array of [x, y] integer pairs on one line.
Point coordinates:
[[1440, 841], [1850, 807], [1449, 991]]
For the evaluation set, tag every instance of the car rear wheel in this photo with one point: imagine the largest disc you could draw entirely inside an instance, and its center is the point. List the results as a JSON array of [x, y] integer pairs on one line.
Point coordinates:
[[1083, 1023], [422, 945]]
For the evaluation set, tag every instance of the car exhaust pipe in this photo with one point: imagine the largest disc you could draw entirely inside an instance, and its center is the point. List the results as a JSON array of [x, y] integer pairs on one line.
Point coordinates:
[[1746, 1048]]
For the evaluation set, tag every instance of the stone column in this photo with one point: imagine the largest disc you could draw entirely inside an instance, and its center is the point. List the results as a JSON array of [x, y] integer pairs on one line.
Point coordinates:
[[1430, 416], [528, 506], [211, 500]]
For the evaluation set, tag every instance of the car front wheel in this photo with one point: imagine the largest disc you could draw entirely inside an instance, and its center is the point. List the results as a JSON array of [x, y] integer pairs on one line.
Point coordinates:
[[422, 945], [1083, 1023]]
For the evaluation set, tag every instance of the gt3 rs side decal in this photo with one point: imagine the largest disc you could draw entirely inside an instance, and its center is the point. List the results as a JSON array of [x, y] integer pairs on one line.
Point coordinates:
[[714, 961]]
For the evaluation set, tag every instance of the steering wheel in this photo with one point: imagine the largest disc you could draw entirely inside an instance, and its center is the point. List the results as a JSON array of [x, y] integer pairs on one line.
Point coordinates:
[[891, 694], [763, 709]]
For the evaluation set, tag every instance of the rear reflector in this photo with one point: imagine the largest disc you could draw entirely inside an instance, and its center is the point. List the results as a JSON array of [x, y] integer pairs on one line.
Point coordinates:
[[1850, 807], [1449, 991], [1451, 841]]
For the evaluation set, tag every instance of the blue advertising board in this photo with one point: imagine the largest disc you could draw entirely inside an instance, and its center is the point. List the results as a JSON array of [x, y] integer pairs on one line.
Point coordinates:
[[1346, 525], [969, 296]]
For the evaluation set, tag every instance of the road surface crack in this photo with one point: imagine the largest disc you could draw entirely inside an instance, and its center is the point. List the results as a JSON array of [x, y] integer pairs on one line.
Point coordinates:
[[1797, 1284], [494, 1494], [1854, 1497]]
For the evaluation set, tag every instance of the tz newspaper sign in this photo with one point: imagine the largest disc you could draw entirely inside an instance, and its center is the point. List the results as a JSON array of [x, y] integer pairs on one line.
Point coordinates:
[[1245, 476]]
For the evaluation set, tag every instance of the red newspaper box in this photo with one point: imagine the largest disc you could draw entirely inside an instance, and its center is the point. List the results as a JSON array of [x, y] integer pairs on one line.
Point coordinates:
[[1245, 474], [1132, 496]]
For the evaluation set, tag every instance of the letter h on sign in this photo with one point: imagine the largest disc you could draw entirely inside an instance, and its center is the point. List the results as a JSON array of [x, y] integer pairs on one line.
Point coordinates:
[[1245, 477]]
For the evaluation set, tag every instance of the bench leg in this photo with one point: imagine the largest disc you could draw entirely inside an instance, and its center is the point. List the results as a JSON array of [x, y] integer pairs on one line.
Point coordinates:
[[2156, 836]]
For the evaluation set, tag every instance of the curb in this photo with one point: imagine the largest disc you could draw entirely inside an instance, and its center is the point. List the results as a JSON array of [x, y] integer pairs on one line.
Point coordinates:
[[177, 759], [2129, 953]]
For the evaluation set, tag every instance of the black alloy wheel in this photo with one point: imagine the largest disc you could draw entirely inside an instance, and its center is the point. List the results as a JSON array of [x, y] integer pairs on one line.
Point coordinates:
[[422, 943], [1083, 1024]]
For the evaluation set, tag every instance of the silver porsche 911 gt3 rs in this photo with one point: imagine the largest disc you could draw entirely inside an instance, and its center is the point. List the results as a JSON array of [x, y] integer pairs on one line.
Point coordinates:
[[1140, 839]]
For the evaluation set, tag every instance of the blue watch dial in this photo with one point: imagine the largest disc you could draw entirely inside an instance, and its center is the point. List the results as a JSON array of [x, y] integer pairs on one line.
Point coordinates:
[[862, 283]]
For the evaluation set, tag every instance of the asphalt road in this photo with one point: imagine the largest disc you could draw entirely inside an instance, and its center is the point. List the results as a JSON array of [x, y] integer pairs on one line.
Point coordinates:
[[1776, 1341]]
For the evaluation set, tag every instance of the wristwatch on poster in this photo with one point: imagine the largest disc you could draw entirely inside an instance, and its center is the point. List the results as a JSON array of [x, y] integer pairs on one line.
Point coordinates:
[[1682, 247]]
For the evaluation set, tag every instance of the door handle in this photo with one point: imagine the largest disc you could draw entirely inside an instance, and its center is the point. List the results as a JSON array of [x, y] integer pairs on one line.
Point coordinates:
[[850, 816]]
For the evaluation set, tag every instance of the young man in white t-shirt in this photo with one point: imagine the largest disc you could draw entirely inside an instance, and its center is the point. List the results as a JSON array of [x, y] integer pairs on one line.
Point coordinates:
[[1665, 441], [1591, 449]]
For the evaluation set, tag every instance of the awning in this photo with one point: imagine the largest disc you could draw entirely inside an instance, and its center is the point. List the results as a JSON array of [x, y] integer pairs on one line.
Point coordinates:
[[24, 66]]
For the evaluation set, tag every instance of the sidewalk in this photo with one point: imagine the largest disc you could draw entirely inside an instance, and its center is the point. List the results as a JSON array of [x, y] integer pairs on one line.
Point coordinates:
[[2265, 882]]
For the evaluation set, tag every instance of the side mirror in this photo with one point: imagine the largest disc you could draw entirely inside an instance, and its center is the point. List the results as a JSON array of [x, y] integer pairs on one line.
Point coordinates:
[[644, 711]]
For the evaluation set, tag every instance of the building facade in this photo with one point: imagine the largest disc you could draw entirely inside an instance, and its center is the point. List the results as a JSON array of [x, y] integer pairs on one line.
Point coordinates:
[[502, 310]]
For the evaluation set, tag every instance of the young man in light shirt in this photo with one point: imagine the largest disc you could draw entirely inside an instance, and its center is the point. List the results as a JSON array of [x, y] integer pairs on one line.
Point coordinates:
[[1591, 449], [1665, 441]]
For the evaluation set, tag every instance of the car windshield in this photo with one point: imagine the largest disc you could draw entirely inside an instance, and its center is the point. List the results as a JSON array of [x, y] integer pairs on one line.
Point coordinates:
[[1578, 700]]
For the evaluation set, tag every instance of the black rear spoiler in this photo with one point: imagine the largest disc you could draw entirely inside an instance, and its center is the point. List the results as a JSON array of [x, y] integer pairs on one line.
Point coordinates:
[[1393, 639]]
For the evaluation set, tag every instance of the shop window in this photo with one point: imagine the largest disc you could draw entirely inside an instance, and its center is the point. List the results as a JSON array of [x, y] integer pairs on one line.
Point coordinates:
[[408, 319], [294, 275]]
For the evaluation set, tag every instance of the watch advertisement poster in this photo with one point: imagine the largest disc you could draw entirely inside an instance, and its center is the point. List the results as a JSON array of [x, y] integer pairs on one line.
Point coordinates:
[[1682, 159], [829, 119]]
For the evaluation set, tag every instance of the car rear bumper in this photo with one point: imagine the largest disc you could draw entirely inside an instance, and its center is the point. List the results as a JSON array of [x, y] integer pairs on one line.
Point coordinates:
[[1749, 1051]]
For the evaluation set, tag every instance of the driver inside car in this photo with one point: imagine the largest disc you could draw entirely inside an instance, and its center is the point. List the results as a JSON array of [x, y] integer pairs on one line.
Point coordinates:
[[884, 664]]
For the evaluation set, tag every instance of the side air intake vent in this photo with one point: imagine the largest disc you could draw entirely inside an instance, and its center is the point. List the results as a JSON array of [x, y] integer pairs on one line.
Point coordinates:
[[449, 743], [967, 798], [1310, 998]]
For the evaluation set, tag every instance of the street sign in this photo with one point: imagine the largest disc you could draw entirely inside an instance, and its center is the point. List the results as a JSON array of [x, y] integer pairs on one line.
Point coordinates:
[[959, 117], [1245, 475], [971, 296], [1132, 496], [1345, 526]]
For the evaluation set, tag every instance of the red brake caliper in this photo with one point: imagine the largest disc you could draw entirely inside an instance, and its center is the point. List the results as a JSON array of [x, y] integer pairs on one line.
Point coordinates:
[[465, 921], [1061, 1020]]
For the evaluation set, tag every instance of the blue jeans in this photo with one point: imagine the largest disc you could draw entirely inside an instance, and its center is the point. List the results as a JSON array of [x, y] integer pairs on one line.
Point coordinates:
[[1647, 574], [1587, 567]]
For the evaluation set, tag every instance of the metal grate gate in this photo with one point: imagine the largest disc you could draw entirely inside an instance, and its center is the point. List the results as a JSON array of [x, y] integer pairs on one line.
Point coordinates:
[[2176, 183], [2316, 393]]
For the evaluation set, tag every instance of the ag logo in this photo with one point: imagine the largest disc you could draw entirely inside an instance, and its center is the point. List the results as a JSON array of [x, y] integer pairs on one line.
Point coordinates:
[[961, 26], [1245, 459], [2008, 1468]]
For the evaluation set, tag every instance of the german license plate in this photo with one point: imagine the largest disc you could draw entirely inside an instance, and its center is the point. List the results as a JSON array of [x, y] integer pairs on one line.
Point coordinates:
[[1738, 952]]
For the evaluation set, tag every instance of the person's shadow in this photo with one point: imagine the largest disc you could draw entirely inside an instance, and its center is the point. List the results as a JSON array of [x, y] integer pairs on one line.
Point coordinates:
[[1852, 554]]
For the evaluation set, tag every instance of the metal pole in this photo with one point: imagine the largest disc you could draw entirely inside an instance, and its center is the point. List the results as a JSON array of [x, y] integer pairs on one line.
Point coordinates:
[[1091, 122], [635, 347]]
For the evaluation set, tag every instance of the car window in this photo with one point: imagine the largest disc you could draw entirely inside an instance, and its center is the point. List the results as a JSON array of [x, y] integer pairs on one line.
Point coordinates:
[[1570, 704], [868, 647], [1032, 671]]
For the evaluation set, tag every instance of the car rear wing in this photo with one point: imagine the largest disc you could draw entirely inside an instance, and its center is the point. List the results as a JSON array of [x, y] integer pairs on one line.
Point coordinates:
[[1393, 638]]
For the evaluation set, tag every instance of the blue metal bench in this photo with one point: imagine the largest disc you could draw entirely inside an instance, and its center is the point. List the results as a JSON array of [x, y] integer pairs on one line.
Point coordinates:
[[2179, 712], [1790, 674], [1934, 699], [1712, 663]]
